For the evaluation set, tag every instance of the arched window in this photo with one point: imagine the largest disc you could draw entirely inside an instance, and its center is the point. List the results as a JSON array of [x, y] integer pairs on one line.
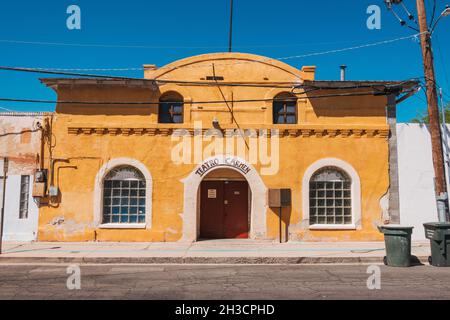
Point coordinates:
[[330, 197], [285, 109], [124, 194], [170, 108]]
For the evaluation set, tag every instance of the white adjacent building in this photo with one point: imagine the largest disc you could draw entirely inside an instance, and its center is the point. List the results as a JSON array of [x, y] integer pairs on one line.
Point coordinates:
[[20, 143], [416, 177]]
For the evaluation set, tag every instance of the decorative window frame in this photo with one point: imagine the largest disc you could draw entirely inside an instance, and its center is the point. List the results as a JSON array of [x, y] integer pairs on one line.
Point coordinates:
[[355, 191], [98, 194]]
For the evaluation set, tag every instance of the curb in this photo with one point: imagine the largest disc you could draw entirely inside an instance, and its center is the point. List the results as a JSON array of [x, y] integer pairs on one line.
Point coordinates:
[[201, 260]]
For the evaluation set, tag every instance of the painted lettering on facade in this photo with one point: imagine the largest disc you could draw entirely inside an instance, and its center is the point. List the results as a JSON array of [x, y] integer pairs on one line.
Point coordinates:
[[224, 162]]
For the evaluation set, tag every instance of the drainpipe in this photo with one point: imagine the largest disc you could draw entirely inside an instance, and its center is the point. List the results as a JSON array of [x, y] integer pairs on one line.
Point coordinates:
[[343, 68], [41, 158], [394, 197], [5, 175]]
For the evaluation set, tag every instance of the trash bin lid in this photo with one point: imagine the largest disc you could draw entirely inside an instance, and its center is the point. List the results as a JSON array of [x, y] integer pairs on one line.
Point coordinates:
[[437, 225], [396, 227]]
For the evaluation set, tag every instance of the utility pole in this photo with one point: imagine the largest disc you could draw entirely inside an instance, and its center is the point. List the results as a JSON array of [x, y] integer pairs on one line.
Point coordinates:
[[230, 40], [5, 175], [433, 111]]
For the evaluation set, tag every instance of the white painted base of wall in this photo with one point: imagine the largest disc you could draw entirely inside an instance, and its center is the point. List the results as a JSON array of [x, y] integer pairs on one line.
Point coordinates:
[[16, 229], [416, 178]]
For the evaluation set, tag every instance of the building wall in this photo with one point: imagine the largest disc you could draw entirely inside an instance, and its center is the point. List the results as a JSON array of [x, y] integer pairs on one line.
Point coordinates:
[[73, 218], [20, 141], [88, 137]]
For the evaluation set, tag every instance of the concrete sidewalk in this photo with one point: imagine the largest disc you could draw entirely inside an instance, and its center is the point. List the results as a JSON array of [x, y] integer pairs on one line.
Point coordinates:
[[203, 252]]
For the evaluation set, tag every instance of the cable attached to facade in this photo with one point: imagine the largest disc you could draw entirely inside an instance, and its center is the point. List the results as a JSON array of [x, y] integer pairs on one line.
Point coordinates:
[[229, 108], [367, 93]]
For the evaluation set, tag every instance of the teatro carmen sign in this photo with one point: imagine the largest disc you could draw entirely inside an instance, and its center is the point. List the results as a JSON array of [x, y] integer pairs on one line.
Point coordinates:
[[231, 162]]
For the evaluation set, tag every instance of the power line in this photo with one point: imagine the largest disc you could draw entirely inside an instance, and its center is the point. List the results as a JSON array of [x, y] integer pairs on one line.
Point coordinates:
[[436, 84], [444, 66], [420, 98], [433, 15], [94, 45], [352, 48], [8, 110], [286, 85], [402, 22], [88, 69], [144, 103], [243, 62], [33, 70], [119, 78]]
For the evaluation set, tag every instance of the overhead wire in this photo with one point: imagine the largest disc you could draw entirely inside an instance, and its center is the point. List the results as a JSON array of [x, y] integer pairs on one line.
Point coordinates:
[[286, 85], [120, 78], [312, 54], [444, 65], [410, 15], [278, 84], [436, 84], [433, 15], [402, 22], [6, 109], [354, 94], [165, 47]]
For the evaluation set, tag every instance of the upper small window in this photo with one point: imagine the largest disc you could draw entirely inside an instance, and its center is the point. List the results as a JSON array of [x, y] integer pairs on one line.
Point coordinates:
[[285, 109], [170, 108]]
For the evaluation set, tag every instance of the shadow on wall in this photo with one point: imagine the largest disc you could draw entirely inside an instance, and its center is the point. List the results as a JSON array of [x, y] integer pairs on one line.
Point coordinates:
[[349, 106], [286, 213], [109, 94]]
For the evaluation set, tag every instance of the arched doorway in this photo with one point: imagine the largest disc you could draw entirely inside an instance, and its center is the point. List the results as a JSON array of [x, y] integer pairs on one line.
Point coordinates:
[[191, 206], [224, 205]]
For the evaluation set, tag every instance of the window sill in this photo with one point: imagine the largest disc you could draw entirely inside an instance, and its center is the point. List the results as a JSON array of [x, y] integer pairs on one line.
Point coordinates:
[[123, 226], [332, 227]]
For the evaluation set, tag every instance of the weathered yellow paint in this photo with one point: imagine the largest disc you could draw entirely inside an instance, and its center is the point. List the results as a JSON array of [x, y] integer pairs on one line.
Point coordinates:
[[71, 219]]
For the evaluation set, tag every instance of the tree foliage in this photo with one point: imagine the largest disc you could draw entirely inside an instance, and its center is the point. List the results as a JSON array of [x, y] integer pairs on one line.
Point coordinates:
[[423, 117]]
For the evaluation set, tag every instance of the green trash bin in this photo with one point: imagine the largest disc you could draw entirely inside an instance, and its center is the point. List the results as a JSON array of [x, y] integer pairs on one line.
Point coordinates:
[[398, 245], [439, 235]]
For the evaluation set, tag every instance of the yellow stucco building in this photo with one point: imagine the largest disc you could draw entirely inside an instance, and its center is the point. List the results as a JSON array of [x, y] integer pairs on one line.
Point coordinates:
[[191, 151]]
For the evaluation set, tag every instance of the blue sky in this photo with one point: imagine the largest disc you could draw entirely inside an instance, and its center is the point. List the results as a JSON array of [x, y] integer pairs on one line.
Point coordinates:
[[271, 28]]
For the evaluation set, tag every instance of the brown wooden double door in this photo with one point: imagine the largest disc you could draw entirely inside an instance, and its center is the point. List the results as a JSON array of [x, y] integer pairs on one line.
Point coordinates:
[[224, 210]]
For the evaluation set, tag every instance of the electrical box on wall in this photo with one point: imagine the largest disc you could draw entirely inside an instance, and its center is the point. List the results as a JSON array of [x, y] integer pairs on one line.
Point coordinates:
[[53, 191], [40, 183], [279, 198], [39, 189], [40, 176]]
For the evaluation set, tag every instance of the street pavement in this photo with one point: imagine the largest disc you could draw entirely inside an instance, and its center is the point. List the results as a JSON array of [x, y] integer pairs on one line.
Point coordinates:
[[219, 282]]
